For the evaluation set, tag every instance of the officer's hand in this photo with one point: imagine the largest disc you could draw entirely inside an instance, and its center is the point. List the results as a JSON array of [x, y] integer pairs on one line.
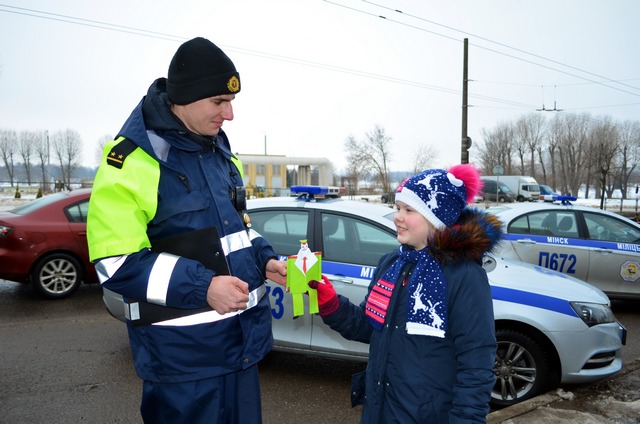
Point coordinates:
[[277, 271], [227, 294]]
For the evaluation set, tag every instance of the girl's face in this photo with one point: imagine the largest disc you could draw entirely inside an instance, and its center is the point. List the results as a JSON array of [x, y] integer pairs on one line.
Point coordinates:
[[413, 228]]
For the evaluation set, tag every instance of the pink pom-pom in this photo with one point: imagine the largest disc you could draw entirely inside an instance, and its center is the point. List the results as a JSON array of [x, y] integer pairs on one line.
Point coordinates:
[[470, 176]]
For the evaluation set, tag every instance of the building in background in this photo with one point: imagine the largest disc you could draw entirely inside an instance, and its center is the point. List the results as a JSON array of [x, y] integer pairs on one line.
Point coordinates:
[[266, 175]]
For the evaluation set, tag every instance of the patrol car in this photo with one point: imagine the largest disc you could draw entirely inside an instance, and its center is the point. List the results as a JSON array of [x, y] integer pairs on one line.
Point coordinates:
[[551, 328], [593, 245]]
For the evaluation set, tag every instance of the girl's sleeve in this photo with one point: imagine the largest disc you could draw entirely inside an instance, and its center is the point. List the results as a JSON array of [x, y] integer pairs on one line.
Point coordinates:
[[472, 327]]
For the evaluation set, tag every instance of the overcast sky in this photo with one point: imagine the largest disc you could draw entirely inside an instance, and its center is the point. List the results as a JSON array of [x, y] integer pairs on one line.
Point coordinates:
[[315, 72]]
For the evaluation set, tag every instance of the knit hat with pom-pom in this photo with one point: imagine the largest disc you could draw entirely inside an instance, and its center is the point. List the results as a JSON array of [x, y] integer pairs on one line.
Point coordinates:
[[440, 195]]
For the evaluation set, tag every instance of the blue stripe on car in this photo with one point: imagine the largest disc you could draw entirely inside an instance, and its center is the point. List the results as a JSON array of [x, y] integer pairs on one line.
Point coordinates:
[[553, 304], [541, 301], [347, 270], [568, 241]]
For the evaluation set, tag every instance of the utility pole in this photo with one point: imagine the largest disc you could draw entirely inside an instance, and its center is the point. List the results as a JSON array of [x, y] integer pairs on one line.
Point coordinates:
[[466, 141]]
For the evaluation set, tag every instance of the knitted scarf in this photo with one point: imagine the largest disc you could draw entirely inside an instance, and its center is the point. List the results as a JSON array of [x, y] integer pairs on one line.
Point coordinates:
[[427, 283]]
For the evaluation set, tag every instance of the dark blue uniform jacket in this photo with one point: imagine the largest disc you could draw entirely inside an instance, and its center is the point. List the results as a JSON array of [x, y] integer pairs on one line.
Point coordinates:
[[195, 181]]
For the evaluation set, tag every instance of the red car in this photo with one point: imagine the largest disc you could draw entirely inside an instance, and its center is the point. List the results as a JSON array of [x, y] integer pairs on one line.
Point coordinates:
[[44, 242]]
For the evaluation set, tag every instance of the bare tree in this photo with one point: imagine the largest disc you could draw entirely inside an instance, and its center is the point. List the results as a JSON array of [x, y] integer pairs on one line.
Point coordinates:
[[8, 147], [356, 168], [423, 157], [25, 150], [497, 148], [603, 145], [101, 143], [629, 152], [520, 148], [549, 147], [41, 151], [67, 148], [530, 132], [373, 154], [573, 151]]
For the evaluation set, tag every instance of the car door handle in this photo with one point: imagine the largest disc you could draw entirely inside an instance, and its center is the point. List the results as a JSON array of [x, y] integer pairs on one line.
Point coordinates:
[[343, 280], [526, 241], [601, 250]]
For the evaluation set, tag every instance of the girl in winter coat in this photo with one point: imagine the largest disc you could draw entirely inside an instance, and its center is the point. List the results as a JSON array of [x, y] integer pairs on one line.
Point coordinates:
[[428, 315]]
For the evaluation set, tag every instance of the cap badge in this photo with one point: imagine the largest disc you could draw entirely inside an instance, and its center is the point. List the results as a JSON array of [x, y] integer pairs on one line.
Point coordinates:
[[233, 84]]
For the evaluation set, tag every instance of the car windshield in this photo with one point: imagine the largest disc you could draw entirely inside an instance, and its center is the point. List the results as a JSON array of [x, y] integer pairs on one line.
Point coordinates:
[[545, 189], [610, 229], [497, 209], [38, 203]]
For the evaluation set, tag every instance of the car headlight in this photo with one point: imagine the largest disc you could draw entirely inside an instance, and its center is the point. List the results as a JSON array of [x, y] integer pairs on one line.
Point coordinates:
[[593, 313], [5, 231]]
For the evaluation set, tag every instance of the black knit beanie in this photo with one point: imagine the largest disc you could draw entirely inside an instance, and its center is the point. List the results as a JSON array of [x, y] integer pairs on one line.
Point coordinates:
[[198, 70]]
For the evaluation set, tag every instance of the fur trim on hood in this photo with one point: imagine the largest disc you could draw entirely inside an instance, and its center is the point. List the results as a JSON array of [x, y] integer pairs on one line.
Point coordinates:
[[471, 237]]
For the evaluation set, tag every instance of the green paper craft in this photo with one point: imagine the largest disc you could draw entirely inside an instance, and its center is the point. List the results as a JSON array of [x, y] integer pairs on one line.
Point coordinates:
[[302, 268]]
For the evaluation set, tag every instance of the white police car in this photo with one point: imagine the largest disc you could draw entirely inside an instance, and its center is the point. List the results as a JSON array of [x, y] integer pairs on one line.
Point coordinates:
[[551, 328], [593, 245]]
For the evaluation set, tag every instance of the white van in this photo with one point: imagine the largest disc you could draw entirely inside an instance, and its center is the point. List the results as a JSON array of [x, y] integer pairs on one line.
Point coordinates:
[[524, 187]]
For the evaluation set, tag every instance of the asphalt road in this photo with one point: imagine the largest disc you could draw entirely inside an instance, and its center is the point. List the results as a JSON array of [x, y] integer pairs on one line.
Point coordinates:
[[68, 361]]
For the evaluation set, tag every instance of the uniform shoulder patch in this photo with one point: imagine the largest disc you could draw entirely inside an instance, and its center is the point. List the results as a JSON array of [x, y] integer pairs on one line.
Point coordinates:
[[120, 151]]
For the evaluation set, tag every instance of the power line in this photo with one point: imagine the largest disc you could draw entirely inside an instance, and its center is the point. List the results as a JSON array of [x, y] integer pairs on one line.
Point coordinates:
[[165, 36], [89, 23], [605, 106], [544, 85], [509, 47], [583, 83], [171, 37], [519, 84], [486, 48], [561, 85], [506, 102]]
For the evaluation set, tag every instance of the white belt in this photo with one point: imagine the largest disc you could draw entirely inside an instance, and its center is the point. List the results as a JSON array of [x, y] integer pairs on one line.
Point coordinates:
[[213, 316]]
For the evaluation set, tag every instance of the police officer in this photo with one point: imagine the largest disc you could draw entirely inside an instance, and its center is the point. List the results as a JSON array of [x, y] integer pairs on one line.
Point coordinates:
[[196, 333]]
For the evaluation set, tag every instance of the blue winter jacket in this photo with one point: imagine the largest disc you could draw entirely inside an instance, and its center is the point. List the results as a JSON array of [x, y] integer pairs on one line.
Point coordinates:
[[187, 187], [425, 379]]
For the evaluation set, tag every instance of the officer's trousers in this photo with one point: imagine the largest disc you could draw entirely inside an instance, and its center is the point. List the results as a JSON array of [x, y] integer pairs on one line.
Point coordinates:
[[229, 399]]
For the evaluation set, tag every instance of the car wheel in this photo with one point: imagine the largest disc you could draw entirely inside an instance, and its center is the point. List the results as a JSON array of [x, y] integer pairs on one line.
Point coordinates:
[[57, 276], [501, 199], [521, 369]]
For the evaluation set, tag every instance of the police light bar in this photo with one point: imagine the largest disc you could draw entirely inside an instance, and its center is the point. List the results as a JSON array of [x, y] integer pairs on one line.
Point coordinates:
[[565, 200], [314, 190]]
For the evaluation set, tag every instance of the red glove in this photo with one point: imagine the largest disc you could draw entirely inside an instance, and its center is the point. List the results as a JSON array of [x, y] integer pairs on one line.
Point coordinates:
[[328, 301]]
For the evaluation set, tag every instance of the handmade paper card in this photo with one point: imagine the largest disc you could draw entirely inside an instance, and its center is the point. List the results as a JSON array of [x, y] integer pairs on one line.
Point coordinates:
[[302, 268]]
